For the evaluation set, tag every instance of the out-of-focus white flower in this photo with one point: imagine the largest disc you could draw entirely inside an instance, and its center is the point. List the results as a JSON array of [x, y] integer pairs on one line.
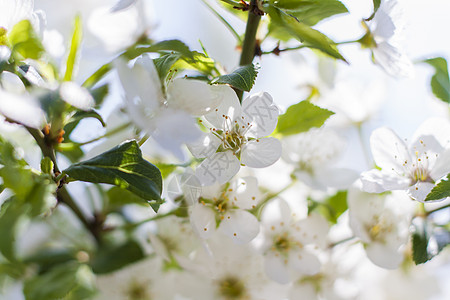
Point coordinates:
[[174, 238], [313, 154], [5, 53], [227, 204], [118, 27], [14, 11], [21, 108], [142, 280], [76, 95], [161, 116], [289, 244], [237, 136], [383, 39], [382, 223], [415, 168], [226, 271], [352, 102]]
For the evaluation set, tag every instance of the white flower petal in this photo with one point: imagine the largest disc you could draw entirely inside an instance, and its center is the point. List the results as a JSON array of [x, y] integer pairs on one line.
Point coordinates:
[[276, 269], [203, 220], [274, 212], [220, 167], [240, 225], [116, 30], [12, 83], [76, 95], [245, 193], [441, 166], [22, 109], [376, 181], [260, 111], [389, 151], [384, 256], [420, 190], [304, 262], [393, 60], [5, 53], [261, 153], [175, 127], [229, 107], [303, 291], [194, 96], [142, 82], [313, 230], [205, 146]]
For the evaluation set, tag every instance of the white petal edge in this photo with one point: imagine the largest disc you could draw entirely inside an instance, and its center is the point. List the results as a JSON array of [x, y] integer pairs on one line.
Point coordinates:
[[389, 151], [260, 111], [261, 153]]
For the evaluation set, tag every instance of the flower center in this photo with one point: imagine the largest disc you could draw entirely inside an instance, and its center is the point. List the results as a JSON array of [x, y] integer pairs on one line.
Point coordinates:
[[138, 291], [232, 135], [231, 288], [283, 243], [379, 228]]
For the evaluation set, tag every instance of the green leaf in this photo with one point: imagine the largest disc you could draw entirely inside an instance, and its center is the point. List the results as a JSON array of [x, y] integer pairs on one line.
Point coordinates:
[[420, 240], [100, 93], [302, 32], [61, 281], [80, 115], [164, 63], [75, 44], [301, 117], [440, 191], [12, 216], [311, 12], [97, 76], [169, 45], [376, 6], [24, 41], [242, 78], [337, 205], [440, 82], [200, 62], [122, 166], [110, 259], [166, 169]]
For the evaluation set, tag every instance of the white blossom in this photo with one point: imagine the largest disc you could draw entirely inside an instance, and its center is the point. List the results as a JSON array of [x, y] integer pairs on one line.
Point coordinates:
[[237, 135], [290, 244], [225, 271], [162, 116], [382, 223], [415, 167], [314, 154], [227, 205], [385, 29]]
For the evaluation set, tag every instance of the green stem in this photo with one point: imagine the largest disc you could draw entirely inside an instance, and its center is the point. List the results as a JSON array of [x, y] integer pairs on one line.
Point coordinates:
[[276, 50], [225, 22], [341, 241], [249, 44], [62, 195], [143, 140]]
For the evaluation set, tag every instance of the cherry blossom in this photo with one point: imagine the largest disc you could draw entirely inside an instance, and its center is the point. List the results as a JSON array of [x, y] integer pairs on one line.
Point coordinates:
[[164, 116], [313, 154], [383, 39], [289, 244], [414, 167], [227, 205], [382, 223], [237, 136]]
